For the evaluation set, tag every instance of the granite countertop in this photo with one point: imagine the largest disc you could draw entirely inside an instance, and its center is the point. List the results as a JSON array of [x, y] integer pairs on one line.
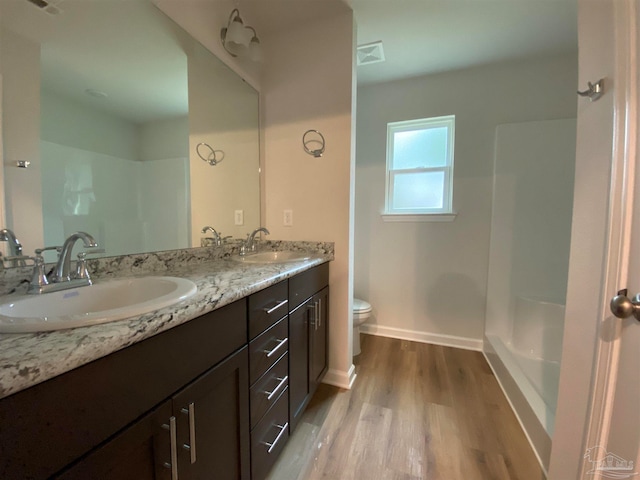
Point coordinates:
[[30, 358]]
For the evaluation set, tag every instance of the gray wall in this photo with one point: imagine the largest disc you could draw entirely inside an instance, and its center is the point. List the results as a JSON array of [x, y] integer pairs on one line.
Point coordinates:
[[428, 281]]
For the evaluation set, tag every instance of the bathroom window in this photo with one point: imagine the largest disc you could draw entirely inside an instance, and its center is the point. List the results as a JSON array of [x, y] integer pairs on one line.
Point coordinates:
[[420, 170]]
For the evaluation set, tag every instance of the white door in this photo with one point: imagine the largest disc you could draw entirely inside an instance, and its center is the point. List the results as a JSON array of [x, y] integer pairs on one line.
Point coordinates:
[[597, 432]]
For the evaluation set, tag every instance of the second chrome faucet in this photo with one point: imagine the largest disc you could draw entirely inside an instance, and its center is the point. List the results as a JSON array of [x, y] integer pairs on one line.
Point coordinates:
[[250, 243]]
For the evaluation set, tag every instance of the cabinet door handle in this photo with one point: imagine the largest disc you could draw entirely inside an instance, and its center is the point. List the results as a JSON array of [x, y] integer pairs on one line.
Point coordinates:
[[316, 312], [281, 343], [269, 311], [271, 394], [314, 320], [191, 446], [319, 312], [272, 445], [174, 449]]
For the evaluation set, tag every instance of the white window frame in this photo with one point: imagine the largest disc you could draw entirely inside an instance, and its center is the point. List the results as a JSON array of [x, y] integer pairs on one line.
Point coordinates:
[[425, 214]]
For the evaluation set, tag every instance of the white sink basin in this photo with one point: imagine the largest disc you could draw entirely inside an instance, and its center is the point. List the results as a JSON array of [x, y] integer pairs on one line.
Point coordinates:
[[273, 257], [104, 301]]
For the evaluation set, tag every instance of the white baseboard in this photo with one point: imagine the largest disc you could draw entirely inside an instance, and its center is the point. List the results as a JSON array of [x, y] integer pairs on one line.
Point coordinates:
[[339, 378], [423, 337]]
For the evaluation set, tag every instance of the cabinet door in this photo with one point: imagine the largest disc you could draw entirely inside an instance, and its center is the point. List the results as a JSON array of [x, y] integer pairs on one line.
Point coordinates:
[[141, 452], [318, 332], [213, 422], [298, 362]]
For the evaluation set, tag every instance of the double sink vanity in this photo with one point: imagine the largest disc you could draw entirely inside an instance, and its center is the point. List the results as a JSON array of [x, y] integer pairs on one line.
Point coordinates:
[[208, 387]]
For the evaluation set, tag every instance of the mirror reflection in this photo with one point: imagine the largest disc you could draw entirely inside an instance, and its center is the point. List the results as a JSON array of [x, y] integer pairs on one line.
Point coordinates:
[[108, 102]]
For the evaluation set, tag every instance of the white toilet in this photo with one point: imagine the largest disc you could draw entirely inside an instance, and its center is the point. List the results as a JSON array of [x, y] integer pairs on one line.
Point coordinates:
[[361, 313]]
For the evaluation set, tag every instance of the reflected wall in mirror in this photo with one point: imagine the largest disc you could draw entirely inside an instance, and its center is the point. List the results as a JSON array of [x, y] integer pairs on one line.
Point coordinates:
[[108, 101]]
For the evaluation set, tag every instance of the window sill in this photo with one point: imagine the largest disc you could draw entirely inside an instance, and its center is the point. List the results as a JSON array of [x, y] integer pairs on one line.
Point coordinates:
[[418, 217]]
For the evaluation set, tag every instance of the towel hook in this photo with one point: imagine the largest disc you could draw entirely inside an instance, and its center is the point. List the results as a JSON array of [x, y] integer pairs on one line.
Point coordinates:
[[212, 155], [595, 90], [317, 153]]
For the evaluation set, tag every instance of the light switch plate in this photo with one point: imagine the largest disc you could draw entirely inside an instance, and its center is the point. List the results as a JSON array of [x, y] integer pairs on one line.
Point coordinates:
[[239, 217], [287, 221]]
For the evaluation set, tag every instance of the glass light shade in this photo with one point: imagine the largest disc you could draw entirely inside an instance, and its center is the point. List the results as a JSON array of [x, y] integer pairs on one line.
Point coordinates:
[[255, 50], [236, 49], [237, 33]]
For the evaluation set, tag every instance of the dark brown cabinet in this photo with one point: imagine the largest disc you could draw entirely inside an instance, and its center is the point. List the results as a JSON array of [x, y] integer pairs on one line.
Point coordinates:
[[142, 451], [54, 426], [318, 334], [202, 430], [269, 374], [216, 397], [308, 335], [212, 416], [298, 363]]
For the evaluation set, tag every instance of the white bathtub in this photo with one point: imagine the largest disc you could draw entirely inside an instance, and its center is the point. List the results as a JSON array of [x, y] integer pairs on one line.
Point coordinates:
[[538, 326], [536, 344], [527, 365]]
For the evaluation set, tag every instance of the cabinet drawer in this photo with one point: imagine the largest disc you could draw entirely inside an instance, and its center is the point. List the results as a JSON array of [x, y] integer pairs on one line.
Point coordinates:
[[266, 349], [267, 307], [269, 438], [305, 284], [268, 389]]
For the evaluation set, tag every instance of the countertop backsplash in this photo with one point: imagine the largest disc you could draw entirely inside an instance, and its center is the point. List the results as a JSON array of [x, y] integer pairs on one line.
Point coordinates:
[[16, 280]]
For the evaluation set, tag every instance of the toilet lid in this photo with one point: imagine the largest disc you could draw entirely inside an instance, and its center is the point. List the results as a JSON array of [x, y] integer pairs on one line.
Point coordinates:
[[360, 306]]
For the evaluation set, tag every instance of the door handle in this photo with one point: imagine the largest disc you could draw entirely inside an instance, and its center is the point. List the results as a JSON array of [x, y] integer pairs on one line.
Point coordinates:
[[624, 307]]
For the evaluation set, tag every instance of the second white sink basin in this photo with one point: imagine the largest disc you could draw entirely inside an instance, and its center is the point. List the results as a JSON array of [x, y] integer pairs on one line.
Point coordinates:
[[104, 301], [274, 257]]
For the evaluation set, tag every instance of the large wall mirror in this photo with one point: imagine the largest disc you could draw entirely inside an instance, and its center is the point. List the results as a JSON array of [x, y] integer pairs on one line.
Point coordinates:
[[108, 101]]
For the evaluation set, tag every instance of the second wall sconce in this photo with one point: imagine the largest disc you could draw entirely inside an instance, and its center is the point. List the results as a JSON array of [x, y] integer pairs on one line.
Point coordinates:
[[316, 138], [240, 40], [207, 153]]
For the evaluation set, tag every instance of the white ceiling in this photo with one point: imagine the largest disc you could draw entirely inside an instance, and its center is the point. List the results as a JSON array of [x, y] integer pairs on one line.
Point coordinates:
[[430, 36], [127, 49], [419, 36]]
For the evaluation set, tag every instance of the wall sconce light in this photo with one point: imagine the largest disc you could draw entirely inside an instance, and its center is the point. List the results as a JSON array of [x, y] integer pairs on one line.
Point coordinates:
[[240, 40]]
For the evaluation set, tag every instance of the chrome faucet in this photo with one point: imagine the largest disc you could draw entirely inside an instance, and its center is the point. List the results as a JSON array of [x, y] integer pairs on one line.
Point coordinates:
[[216, 236], [62, 272], [249, 244], [15, 247]]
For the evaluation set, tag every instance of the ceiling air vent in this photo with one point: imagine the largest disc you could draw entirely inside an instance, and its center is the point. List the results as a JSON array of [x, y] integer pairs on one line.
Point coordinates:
[[370, 53], [49, 6]]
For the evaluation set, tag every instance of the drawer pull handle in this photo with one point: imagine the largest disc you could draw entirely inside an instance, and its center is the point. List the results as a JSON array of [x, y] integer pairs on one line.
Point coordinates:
[[191, 446], [278, 347], [269, 311], [282, 428], [174, 449], [272, 393]]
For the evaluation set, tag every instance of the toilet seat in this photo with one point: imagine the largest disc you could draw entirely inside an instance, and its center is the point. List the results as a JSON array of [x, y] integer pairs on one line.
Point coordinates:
[[361, 313], [361, 307]]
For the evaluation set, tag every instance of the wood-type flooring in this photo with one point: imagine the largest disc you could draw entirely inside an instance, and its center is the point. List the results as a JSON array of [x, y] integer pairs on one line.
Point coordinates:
[[416, 411]]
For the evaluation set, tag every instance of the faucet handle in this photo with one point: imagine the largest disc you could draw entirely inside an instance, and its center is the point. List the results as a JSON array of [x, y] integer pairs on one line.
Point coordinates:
[[93, 250], [39, 251], [81, 264], [220, 240], [81, 267], [39, 276]]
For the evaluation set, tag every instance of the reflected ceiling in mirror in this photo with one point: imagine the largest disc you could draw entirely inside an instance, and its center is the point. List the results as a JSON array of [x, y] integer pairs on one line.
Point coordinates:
[[109, 100]]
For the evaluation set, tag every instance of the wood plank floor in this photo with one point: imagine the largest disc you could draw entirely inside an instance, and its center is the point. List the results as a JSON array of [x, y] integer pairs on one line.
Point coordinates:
[[416, 411]]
